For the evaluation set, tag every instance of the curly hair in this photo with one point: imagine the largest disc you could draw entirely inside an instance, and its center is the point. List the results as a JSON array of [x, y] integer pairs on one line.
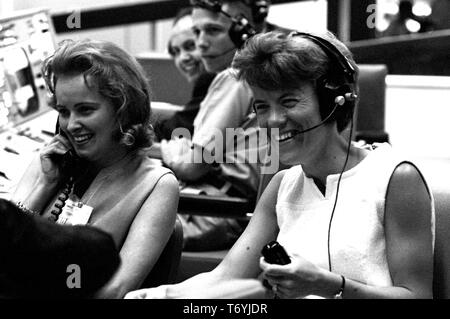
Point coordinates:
[[118, 78]]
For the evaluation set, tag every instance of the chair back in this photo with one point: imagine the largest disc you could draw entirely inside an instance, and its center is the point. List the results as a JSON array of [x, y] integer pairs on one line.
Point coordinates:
[[437, 174], [441, 274], [370, 113], [166, 82]]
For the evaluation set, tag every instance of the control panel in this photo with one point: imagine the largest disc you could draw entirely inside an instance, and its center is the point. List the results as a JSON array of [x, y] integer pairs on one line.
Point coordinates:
[[26, 40], [27, 123]]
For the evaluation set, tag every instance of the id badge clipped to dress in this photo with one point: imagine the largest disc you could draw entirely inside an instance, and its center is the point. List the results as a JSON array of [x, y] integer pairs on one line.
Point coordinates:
[[75, 213]]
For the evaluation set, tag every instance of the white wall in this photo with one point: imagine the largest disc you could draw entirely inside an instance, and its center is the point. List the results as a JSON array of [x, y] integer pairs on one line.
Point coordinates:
[[305, 15], [418, 115], [133, 38]]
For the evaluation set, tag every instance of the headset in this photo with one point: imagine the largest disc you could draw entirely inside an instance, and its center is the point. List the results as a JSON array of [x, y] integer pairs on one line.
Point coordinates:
[[335, 87], [240, 29]]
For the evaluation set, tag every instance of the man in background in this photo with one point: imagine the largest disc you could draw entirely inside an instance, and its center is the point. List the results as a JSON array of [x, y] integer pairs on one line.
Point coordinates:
[[186, 57]]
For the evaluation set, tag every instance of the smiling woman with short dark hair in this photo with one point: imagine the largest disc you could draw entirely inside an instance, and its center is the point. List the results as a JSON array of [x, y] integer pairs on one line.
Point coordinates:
[[356, 221]]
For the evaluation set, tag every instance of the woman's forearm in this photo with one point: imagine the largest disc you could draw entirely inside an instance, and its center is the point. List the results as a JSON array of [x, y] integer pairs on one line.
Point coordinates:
[[192, 286], [330, 284], [39, 196]]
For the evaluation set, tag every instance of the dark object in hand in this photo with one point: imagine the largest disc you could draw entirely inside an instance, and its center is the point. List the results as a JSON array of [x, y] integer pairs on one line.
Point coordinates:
[[274, 253]]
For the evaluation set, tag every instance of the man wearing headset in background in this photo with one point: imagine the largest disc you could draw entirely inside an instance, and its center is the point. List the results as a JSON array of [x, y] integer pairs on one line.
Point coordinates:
[[221, 27]]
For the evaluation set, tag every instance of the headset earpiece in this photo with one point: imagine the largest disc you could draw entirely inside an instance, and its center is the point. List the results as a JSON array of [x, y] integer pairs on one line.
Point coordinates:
[[335, 87], [347, 97], [240, 30], [339, 100], [341, 95]]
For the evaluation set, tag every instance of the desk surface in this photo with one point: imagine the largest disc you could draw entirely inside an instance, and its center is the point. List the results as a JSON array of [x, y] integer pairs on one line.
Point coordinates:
[[221, 206]]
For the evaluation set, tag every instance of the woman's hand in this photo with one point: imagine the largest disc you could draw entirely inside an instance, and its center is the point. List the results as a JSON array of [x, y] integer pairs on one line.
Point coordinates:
[[51, 169], [159, 292], [298, 279], [174, 151]]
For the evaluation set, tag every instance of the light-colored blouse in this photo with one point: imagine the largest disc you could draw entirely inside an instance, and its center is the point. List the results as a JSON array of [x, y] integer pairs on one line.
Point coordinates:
[[357, 239]]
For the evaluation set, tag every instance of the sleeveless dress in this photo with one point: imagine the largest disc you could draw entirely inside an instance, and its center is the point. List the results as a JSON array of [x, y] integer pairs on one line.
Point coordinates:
[[118, 192], [357, 240]]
